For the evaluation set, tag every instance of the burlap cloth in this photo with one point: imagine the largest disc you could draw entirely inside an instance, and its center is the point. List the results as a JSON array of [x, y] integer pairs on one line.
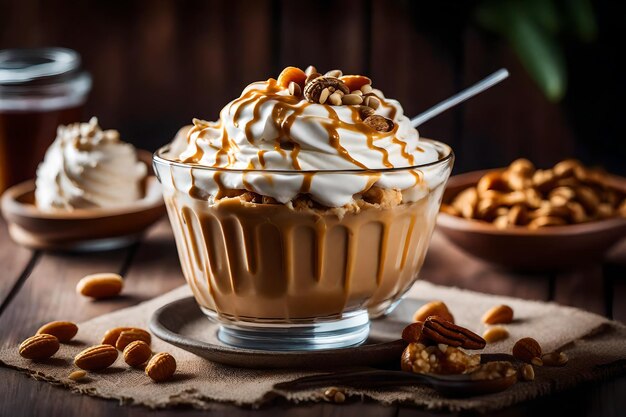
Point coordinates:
[[596, 348]]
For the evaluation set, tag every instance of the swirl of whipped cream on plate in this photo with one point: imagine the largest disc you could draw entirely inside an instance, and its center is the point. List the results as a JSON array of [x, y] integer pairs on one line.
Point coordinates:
[[284, 144], [87, 167]]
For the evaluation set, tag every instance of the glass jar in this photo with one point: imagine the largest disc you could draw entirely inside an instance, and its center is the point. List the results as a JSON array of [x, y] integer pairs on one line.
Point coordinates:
[[40, 89]]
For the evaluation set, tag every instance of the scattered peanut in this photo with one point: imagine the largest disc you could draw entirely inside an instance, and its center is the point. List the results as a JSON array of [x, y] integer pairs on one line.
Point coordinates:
[[62, 330], [96, 358], [137, 353], [161, 367], [99, 286], [495, 334], [433, 308], [131, 335], [500, 314], [77, 375], [38, 347]]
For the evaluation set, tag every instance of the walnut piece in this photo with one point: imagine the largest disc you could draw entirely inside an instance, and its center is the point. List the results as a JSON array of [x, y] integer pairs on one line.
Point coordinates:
[[313, 89]]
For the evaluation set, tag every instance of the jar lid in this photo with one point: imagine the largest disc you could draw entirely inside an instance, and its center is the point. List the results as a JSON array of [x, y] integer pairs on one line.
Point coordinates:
[[37, 65]]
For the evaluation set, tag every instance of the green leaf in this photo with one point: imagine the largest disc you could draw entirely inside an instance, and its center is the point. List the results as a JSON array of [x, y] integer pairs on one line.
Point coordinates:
[[540, 54], [531, 40], [582, 19]]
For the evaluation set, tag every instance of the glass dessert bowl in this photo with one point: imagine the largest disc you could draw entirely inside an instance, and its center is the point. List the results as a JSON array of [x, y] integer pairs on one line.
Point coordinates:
[[295, 220]]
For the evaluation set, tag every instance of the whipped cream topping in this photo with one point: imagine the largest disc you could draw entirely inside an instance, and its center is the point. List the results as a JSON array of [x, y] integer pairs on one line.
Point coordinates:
[[87, 167], [268, 130]]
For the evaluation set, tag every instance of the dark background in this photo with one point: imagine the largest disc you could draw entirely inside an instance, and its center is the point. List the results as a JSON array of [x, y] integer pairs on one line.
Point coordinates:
[[158, 63]]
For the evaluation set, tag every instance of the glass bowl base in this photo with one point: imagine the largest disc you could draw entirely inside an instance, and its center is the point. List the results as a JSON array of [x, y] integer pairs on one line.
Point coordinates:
[[351, 329]]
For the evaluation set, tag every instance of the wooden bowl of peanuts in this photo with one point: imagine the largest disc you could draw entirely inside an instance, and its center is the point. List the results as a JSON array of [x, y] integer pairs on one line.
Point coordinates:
[[534, 219]]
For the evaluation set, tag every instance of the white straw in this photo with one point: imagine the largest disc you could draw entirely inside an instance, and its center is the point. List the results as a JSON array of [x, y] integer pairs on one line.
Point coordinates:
[[469, 92]]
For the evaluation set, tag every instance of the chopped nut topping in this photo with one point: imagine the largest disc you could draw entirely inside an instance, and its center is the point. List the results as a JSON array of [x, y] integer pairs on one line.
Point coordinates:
[[324, 95], [313, 89], [366, 89], [335, 98], [419, 358], [352, 99], [494, 370], [294, 89], [372, 101], [334, 73], [311, 77]]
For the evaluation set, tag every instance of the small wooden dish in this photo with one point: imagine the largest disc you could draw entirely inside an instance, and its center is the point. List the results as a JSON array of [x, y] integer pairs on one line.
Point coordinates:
[[83, 229], [549, 248]]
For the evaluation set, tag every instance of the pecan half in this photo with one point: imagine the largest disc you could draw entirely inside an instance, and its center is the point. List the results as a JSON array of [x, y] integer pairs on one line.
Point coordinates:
[[314, 88], [441, 331]]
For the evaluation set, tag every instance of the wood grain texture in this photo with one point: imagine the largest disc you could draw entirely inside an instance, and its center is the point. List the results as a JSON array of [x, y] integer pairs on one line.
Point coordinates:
[[57, 401], [157, 64], [329, 36], [445, 264], [49, 293], [13, 261], [619, 297], [155, 268], [615, 272], [492, 135], [404, 62], [582, 288]]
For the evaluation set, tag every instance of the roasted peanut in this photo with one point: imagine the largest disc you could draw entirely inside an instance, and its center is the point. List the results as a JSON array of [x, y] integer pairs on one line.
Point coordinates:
[[521, 195], [522, 166], [433, 308], [491, 181]]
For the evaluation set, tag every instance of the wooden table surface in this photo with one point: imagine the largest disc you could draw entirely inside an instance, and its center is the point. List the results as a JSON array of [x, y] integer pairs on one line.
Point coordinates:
[[36, 287]]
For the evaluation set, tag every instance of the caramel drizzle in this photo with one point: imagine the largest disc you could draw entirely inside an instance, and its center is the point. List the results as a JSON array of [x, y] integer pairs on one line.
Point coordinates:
[[223, 151], [220, 185], [417, 175], [306, 182], [256, 115], [291, 105], [407, 242], [261, 157], [284, 127], [331, 129], [403, 151], [392, 109], [199, 152]]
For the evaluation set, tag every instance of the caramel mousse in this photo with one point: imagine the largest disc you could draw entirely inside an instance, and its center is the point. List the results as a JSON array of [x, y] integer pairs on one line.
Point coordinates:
[[311, 198]]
